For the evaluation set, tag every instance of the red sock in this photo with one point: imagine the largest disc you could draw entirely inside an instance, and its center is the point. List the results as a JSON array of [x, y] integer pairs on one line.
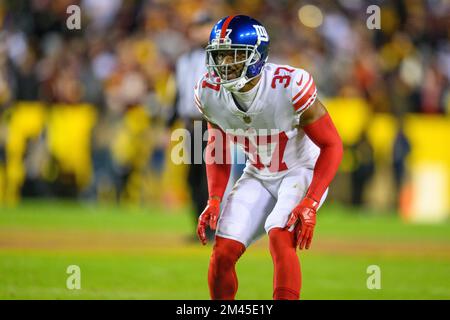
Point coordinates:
[[287, 275], [222, 277]]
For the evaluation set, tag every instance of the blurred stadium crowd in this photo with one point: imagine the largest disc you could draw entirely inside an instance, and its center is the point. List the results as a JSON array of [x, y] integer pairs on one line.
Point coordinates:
[[84, 112]]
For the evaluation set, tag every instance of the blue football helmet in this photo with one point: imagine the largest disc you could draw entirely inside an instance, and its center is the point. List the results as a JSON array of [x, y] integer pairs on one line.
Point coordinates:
[[237, 51]]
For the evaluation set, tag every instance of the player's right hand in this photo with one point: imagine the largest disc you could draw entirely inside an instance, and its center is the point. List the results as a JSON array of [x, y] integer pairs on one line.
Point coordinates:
[[209, 217]]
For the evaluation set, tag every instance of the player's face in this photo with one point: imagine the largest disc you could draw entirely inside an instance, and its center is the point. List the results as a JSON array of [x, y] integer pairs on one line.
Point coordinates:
[[231, 63]]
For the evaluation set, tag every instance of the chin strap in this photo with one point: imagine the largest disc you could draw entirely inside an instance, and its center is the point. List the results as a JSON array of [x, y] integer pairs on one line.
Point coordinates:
[[236, 85]]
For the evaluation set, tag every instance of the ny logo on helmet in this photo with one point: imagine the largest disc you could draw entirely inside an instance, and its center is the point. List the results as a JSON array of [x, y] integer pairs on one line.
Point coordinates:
[[261, 33]]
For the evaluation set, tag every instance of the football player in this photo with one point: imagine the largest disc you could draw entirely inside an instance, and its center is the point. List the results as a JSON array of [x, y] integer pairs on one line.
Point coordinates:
[[293, 151]]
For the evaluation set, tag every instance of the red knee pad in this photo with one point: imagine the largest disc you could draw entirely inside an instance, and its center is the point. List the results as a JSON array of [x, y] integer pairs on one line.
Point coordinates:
[[281, 239], [227, 251], [222, 277], [287, 276]]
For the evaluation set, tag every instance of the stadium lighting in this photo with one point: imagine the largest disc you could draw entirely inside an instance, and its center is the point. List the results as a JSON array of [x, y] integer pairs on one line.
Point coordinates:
[[310, 15]]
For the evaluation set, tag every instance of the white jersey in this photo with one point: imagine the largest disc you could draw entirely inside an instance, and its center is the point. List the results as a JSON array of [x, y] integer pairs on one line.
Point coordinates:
[[269, 130]]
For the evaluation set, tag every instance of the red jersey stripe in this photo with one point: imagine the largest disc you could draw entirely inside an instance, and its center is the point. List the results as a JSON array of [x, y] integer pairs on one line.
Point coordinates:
[[306, 94], [308, 83], [307, 104], [311, 92]]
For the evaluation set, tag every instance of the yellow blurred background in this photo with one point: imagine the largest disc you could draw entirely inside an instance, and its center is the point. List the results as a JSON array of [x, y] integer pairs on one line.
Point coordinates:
[[84, 112]]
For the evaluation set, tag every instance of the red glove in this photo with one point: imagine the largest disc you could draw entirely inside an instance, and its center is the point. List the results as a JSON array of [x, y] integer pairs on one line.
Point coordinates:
[[209, 216], [305, 211]]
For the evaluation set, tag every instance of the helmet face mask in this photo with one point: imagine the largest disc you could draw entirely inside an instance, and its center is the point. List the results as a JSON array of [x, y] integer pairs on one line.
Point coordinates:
[[235, 54], [227, 65]]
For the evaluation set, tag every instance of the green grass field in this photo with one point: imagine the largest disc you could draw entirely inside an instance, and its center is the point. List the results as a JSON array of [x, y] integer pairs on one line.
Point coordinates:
[[129, 253]]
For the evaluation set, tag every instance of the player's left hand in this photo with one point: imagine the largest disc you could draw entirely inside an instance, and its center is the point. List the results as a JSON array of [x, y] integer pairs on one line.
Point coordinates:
[[305, 214]]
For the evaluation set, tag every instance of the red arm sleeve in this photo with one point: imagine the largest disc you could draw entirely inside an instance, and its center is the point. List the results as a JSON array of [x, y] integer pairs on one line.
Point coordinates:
[[324, 134], [218, 164]]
